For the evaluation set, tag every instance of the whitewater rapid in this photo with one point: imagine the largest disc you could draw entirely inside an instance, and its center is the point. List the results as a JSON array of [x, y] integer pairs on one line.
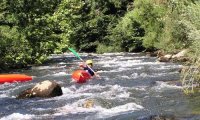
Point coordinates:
[[131, 86]]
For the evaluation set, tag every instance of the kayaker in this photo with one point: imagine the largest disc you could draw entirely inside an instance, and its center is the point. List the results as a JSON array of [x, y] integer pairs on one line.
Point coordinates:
[[88, 67]]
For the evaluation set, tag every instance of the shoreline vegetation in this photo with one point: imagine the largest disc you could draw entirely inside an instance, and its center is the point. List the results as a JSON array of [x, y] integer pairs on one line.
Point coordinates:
[[31, 31]]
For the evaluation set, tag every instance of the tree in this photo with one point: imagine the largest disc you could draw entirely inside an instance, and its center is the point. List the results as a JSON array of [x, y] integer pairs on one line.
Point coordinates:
[[128, 34], [149, 15], [34, 22]]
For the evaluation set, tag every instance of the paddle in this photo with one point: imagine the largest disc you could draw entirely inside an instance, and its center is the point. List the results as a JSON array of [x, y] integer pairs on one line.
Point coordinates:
[[77, 55]]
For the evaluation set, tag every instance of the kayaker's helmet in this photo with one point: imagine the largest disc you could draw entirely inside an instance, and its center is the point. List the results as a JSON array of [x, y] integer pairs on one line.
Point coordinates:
[[89, 62]]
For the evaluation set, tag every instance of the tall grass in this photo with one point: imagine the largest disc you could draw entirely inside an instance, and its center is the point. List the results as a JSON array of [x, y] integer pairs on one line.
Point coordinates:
[[191, 76]]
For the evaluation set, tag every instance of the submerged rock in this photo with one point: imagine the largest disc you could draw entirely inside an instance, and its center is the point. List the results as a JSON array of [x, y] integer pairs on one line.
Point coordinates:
[[88, 103], [165, 58], [152, 54], [43, 89], [178, 57]]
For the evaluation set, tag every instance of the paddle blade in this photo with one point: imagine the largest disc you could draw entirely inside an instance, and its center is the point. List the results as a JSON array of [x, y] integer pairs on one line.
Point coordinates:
[[75, 53]]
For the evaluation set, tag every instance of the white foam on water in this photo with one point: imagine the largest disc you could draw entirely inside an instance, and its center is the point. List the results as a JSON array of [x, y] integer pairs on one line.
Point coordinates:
[[129, 107], [107, 91], [143, 75], [116, 92], [3, 95], [98, 110], [5, 91], [120, 69], [112, 92], [166, 67], [120, 53], [147, 63], [60, 74], [125, 77], [109, 71], [116, 62], [137, 68], [7, 84], [123, 68], [40, 109], [43, 67], [57, 74], [102, 71], [71, 109], [134, 75], [59, 66], [18, 116], [133, 53], [73, 92], [67, 54], [163, 74], [162, 86], [61, 63], [143, 57], [122, 58], [140, 88]]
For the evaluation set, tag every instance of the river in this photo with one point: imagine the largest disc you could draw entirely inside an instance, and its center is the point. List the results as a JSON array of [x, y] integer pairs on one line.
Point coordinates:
[[132, 87]]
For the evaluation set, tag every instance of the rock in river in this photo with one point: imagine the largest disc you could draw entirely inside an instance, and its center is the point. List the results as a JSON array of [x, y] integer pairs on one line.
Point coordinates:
[[43, 89]]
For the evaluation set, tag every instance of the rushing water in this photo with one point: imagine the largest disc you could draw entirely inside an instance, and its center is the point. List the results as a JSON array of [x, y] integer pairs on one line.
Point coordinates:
[[132, 86]]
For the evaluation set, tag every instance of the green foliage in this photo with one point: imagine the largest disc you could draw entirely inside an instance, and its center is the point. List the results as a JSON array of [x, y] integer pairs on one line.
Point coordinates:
[[128, 33], [102, 48], [33, 19], [11, 54], [37, 28], [29, 34], [190, 18], [149, 15], [178, 25], [91, 22], [68, 18]]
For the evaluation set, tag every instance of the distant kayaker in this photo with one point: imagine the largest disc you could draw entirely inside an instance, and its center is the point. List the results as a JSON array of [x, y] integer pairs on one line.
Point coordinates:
[[88, 67]]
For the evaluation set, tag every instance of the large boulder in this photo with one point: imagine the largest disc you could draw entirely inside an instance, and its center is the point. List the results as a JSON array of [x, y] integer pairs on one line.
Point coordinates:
[[181, 56], [43, 89], [178, 57], [162, 57], [165, 58]]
